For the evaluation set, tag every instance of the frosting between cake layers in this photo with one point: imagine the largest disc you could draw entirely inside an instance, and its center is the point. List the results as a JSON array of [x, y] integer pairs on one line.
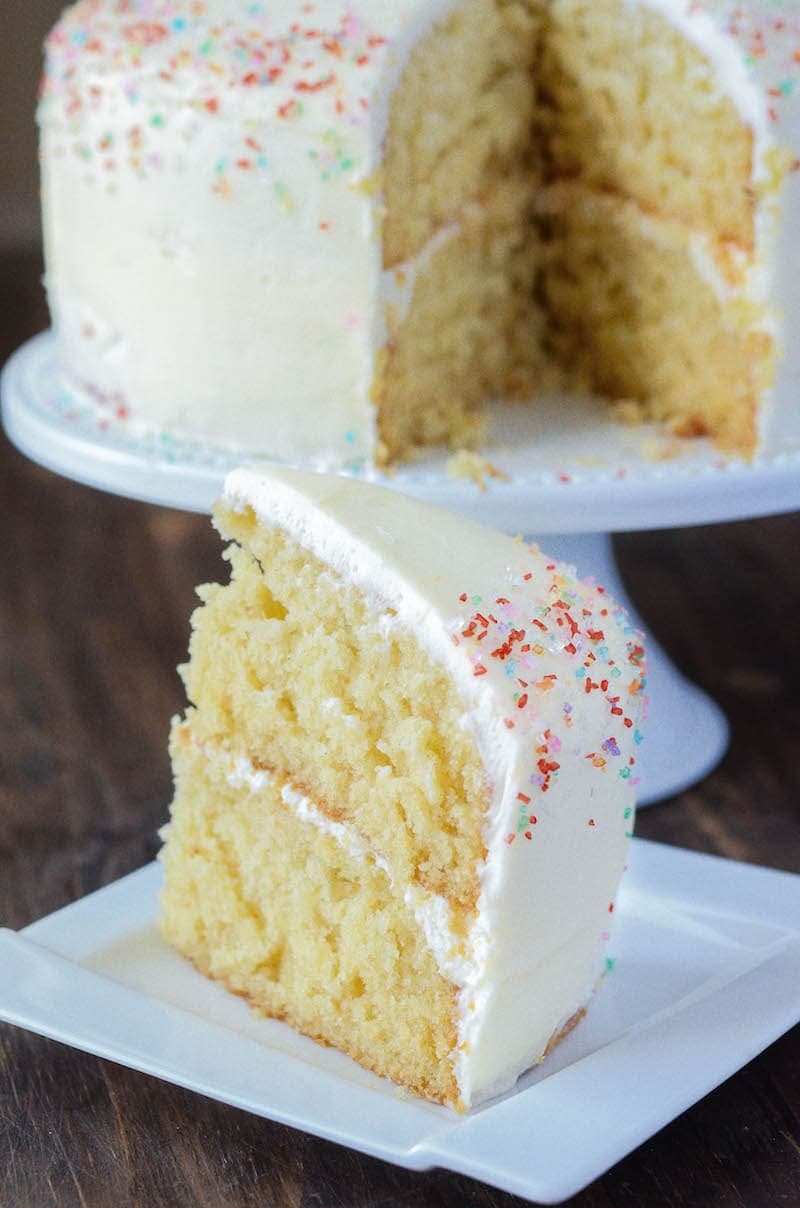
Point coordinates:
[[431, 910], [555, 724]]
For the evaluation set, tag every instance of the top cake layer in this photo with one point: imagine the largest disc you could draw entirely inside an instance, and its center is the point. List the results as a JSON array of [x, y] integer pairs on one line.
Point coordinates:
[[540, 661]]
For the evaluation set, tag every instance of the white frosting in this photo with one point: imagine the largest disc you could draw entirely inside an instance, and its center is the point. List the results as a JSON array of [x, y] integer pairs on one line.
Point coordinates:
[[211, 223], [560, 758]]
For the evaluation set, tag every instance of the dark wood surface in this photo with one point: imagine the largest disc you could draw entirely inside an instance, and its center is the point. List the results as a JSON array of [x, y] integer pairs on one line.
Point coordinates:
[[95, 596]]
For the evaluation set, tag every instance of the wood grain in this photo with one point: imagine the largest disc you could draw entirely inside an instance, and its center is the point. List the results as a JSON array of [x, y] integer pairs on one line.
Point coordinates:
[[95, 596]]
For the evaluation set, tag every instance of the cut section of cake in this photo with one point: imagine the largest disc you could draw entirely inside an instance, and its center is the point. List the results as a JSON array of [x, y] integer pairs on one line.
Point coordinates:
[[404, 784]]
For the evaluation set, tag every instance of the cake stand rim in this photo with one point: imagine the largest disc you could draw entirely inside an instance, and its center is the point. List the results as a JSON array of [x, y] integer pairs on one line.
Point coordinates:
[[586, 500]]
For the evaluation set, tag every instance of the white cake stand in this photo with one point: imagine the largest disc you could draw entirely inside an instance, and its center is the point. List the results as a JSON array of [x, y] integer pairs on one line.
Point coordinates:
[[573, 477]]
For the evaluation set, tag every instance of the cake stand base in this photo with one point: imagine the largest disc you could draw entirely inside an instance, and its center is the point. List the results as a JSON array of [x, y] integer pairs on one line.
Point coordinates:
[[687, 733]]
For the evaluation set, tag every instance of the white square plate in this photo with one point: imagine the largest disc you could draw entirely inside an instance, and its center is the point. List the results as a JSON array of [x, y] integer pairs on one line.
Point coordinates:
[[706, 974]]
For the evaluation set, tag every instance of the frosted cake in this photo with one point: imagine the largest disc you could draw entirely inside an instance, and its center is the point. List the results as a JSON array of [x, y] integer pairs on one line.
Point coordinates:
[[404, 784], [355, 223]]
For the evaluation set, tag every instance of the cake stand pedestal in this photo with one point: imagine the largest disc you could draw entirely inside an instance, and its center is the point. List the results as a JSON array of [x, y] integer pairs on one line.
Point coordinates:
[[570, 477]]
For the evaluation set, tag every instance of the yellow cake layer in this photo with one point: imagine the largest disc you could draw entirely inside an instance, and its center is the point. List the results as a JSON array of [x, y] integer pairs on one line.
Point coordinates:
[[281, 913], [461, 118], [473, 330], [628, 104], [636, 320], [290, 668]]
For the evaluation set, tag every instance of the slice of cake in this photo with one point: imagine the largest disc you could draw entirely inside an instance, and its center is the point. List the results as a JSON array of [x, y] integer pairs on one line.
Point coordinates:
[[405, 783]]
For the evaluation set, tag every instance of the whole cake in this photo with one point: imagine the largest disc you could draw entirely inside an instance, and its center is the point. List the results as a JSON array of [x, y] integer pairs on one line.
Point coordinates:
[[328, 231], [405, 782]]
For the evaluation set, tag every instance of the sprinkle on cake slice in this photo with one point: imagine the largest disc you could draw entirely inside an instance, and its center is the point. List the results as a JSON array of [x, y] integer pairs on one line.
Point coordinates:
[[405, 782]]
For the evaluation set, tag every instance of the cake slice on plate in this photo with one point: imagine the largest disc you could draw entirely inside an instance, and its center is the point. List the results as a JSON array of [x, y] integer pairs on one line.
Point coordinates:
[[405, 782]]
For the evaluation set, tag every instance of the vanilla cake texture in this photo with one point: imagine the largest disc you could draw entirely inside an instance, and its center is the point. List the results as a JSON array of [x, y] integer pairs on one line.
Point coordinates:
[[356, 223], [405, 782]]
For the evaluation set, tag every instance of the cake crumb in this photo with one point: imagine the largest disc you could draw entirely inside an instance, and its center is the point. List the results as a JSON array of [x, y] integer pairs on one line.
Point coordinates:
[[465, 463], [626, 411], [661, 448]]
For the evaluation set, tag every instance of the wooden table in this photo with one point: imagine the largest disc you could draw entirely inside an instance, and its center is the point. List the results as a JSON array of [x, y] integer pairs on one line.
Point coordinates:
[[95, 596]]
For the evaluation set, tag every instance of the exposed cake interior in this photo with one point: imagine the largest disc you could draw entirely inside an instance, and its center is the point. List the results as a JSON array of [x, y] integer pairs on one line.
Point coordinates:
[[292, 668], [325, 785], [626, 267], [262, 896]]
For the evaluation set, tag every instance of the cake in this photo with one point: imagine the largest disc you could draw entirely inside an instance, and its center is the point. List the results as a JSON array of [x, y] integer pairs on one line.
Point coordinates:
[[405, 782], [355, 223]]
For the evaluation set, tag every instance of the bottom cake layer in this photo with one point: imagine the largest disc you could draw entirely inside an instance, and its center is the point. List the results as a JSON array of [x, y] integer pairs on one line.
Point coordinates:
[[294, 912], [278, 910]]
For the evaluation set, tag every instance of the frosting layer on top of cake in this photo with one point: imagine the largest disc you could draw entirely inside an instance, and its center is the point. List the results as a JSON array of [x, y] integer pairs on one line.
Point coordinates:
[[218, 162], [550, 677]]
